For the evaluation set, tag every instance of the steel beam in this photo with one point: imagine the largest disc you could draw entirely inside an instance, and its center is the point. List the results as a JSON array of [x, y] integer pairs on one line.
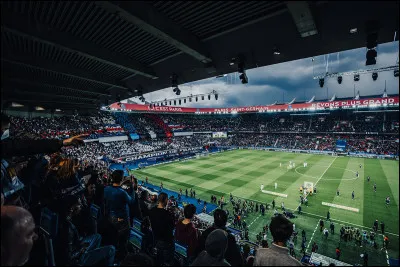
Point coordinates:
[[145, 17], [42, 33], [26, 91], [46, 85], [45, 64]]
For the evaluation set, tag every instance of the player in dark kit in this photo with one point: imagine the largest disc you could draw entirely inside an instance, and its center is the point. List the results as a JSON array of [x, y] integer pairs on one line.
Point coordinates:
[[360, 166], [352, 195], [375, 187], [357, 174], [387, 200], [368, 178]]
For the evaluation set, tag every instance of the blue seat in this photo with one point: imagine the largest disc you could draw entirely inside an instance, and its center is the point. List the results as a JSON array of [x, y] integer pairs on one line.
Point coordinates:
[[48, 229], [95, 213]]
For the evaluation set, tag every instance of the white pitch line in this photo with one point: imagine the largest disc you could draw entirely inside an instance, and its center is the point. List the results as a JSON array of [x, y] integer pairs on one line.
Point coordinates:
[[254, 220], [318, 180], [316, 227], [366, 227]]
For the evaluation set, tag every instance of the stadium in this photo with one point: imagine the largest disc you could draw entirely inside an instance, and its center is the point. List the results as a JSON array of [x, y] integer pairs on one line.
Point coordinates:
[[171, 134]]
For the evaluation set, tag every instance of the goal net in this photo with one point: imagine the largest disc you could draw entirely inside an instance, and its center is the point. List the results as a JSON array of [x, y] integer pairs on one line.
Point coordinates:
[[308, 187]]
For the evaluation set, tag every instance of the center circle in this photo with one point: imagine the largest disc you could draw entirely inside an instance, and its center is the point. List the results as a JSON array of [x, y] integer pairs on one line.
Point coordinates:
[[329, 179]]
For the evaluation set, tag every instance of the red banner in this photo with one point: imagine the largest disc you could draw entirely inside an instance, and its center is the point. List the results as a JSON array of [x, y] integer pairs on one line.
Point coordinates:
[[285, 107]]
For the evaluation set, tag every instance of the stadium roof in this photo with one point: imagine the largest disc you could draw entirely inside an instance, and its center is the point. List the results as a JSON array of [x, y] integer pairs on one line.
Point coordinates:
[[75, 55]]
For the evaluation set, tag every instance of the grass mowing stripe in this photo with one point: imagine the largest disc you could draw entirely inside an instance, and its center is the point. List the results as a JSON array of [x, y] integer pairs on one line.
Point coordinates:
[[326, 191]]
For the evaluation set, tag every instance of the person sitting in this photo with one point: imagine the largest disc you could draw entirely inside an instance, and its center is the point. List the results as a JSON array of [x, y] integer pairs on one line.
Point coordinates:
[[17, 235], [216, 244], [186, 233], [71, 248], [233, 255], [278, 254]]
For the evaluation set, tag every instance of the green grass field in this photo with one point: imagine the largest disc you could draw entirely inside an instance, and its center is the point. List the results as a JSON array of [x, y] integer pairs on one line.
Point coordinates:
[[241, 172]]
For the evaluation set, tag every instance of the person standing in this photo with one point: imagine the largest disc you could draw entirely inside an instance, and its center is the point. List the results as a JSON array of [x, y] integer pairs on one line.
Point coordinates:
[[273, 203], [117, 207], [352, 195], [376, 225], [368, 179], [162, 224], [375, 187], [338, 253], [328, 216], [332, 228], [314, 247], [383, 227], [387, 201], [326, 233], [365, 258], [321, 225], [337, 192], [277, 254], [186, 233]]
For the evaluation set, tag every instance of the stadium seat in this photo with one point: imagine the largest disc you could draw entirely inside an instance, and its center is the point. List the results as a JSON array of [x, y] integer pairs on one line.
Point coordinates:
[[96, 215], [48, 229]]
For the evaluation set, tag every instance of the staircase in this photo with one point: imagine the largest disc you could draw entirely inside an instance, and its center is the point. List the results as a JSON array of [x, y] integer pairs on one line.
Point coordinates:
[[276, 142]]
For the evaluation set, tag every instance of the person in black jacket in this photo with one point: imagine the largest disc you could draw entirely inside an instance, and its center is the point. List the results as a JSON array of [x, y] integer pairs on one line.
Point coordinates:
[[10, 182], [71, 248], [232, 255], [14, 147]]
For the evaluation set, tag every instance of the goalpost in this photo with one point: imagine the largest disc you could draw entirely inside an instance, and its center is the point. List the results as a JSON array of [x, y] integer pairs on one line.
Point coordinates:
[[308, 187]]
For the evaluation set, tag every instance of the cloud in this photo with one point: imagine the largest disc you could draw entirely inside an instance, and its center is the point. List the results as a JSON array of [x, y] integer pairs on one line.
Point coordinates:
[[285, 81]]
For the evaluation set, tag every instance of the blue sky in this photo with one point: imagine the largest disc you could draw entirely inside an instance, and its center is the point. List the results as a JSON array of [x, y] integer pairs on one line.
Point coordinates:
[[288, 80]]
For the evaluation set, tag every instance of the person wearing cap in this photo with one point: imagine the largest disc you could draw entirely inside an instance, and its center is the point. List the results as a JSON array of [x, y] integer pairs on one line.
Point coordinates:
[[216, 245], [277, 254]]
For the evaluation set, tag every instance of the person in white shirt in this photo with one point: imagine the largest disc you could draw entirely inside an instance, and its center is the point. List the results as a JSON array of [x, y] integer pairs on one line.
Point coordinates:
[[276, 186], [262, 187]]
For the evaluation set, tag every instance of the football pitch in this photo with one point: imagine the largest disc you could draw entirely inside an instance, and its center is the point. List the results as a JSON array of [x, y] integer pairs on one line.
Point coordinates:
[[241, 172]]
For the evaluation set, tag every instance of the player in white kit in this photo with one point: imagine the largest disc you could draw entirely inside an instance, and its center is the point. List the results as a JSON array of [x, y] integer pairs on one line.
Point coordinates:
[[276, 186], [262, 187]]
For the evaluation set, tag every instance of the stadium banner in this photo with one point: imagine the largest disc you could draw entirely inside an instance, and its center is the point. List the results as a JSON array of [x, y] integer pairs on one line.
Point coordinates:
[[183, 133], [219, 134], [90, 140], [351, 103], [113, 139]]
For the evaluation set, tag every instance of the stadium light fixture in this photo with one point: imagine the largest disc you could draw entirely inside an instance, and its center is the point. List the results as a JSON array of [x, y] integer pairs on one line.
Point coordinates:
[[374, 76], [276, 51], [353, 30], [321, 82], [339, 79], [356, 77], [396, 73]]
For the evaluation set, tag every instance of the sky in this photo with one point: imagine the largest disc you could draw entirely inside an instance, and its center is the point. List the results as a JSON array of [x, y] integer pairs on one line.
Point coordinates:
[[285, 81]]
